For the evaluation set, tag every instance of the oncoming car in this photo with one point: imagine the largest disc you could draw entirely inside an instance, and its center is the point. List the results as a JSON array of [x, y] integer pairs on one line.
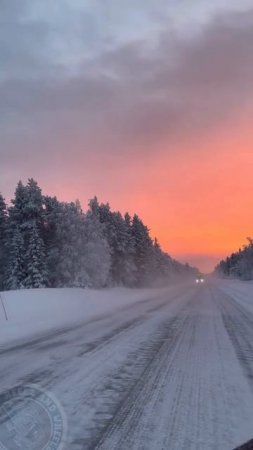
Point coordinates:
[[199, 279]]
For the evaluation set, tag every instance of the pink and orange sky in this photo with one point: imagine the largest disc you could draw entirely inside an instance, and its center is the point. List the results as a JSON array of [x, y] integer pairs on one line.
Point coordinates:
[[147, 105]]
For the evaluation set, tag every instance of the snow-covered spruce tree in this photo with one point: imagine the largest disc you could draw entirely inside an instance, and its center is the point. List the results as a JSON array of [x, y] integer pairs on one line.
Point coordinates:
[[129, 269], [16, 272], [117, 231], [122, 250], [51, 225], [160, 265], [65, 238], [17, 210], [238, 264], [3, 241], [27, 205], [96, 257], [35, 260], [143, 251], [247, 269], [34, 204], [25, 215], [16, 239], [70, 232], [62, 238], [106, 219]]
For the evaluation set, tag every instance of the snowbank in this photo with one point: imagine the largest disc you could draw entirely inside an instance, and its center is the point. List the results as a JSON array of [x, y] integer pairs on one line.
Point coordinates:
[[33, 311], [241, 291]]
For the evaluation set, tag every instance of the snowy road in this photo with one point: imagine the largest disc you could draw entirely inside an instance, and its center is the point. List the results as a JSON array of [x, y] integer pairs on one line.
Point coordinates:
[[173, 372]]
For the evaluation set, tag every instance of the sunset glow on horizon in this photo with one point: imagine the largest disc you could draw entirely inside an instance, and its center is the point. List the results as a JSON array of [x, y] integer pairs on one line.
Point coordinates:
[[151, 114]]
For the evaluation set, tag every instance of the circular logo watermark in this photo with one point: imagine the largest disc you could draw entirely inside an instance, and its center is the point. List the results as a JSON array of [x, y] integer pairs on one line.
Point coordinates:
[[31, 419]]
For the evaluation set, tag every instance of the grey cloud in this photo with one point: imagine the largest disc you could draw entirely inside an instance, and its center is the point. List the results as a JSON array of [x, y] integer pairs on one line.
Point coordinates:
[[24, 44], [136, 94], [210, 80]]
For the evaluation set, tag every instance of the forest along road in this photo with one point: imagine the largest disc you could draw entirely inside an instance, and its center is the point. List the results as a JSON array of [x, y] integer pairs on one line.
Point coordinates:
[[173, 372]]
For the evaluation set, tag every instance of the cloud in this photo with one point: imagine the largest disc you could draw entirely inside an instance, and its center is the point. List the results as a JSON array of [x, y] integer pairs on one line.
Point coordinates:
[[189, 87], [202, 74], [129, 92]]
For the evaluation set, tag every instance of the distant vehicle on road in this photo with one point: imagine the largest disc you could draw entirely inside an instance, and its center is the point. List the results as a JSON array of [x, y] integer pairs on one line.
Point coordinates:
[[200, 279]]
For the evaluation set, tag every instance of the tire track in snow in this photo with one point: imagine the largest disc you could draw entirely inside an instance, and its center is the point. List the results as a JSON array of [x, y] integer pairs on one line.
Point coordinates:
[[124, 423], [79, 337], [90, 357], [112, 371], [238, 322], [185, 395]]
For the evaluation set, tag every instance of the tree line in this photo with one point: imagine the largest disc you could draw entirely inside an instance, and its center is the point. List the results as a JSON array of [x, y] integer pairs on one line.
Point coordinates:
[[48, 243], [238, 264]]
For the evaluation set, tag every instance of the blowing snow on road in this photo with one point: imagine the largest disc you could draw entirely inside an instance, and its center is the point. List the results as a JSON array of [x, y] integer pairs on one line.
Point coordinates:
[[170, 372]]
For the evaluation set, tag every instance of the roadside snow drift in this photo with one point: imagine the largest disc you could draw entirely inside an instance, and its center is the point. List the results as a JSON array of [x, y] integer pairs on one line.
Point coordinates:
[[32, 311]]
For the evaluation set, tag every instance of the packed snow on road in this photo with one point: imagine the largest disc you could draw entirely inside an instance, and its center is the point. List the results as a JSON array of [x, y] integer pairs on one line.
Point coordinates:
[[151, 369]]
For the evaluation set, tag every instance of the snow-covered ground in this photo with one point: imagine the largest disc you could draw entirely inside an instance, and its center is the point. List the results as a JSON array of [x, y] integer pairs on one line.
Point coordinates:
[[148, 370], [33, 311], [242, 291]]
